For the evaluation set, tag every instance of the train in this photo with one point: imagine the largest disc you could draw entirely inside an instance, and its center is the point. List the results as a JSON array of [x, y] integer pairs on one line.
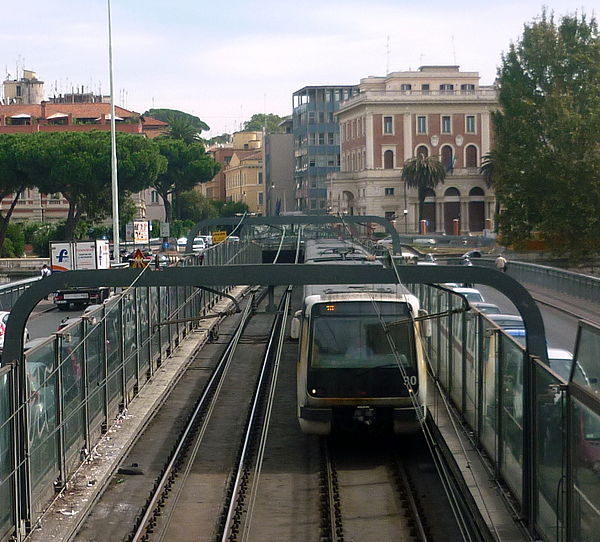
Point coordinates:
[[361, 356]]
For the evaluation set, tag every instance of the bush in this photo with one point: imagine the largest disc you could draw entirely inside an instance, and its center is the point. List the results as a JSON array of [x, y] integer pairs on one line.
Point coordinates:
[[14, 244]]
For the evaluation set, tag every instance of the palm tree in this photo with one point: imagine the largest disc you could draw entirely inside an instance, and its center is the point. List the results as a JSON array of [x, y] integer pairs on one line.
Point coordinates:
[[488, 170], [488, 166], [423, 173], [181, 128]]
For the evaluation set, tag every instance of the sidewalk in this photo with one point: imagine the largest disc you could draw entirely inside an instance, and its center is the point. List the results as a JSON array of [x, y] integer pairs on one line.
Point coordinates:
[[576, 307]]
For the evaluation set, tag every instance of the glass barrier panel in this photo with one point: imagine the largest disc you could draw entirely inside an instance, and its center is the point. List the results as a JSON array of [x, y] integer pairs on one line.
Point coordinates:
[[456, 353], [113, 352], [41, 414], [165, 335], [154, 319], [95, 369], [490, 395], [587, 371], [129, 338], [436, 329], [173, 312], [511, 413], [144, 331], [7, 445], [550, 433], [71, 368], [471, 367], [445, 331], [585, 502]]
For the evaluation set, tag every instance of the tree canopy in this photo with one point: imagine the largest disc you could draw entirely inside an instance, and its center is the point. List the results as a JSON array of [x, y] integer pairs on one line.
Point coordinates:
[[188, 165], [423, 173], [546, 161], [78, 165], [170, 115], [269, 121]]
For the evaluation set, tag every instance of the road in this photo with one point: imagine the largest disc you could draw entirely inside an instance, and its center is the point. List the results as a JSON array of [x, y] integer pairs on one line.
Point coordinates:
[[561, 329]]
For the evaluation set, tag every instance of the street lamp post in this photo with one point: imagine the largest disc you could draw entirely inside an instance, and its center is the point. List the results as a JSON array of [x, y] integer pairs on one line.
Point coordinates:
[[113, 146], [405, 211]]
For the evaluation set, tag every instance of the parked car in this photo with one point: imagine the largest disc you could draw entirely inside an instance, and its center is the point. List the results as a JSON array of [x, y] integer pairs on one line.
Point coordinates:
[[512, 324], [423, 241], [472, 254], [472, 294], [3, 320], [67, 322], [560, 360], [199, 244], [486, 308]]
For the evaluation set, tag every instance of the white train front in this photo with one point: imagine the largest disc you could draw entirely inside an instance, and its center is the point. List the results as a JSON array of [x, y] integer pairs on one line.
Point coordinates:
[[361, 358]]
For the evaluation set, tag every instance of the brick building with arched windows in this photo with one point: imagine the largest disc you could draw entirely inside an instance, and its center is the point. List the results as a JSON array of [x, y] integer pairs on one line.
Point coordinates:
[[434, 111]]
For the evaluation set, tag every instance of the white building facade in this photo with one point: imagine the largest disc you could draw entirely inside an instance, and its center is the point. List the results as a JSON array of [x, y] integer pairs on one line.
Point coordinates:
[[436, 111]]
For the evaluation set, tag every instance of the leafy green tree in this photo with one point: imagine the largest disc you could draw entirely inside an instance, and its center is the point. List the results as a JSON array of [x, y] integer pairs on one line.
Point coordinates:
[[231, 208], [181, 125], [547, 135], [194, 206], [78, 165], [188, 165], [269, 121], [219, 140], [423, 173], [14, 245], [16, 165]]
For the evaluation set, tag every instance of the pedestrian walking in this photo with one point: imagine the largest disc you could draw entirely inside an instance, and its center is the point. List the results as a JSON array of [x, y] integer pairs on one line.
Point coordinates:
[[45, 271], [501, 263]]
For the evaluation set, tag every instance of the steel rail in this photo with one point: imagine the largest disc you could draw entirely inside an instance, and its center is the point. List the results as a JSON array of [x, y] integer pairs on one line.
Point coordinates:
[[235, 505], [147, 521]]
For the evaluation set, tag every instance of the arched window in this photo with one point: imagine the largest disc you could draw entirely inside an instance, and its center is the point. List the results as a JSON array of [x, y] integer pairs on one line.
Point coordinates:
[[452, 193], [388, 160], [471, 156], [447, 157], [422, 150], [477, 191]]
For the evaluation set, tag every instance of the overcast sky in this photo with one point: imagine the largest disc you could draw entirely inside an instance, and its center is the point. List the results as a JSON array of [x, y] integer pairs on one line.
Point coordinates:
[[225, 61]]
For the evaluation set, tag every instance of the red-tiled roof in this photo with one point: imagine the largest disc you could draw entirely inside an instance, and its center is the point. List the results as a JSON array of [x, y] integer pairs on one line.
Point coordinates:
[[151, 121], [78, 111]]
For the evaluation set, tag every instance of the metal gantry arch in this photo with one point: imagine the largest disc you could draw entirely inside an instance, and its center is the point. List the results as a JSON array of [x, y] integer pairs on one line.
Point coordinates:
[[293, 220], [274, 275]]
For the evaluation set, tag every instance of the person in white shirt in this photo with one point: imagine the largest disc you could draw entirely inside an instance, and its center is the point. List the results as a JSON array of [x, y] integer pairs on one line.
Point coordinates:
[[501, 263]]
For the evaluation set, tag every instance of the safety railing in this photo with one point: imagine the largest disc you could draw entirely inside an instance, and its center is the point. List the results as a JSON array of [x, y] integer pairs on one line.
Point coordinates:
[[11, 291], [566, 282], [79, 379], [542, 438]]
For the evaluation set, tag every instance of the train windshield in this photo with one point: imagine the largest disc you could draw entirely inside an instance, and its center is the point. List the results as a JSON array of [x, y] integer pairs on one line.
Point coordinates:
[[353, 335]]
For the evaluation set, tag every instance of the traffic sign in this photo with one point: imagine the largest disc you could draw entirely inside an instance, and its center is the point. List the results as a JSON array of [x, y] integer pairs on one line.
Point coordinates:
[[138, 261], [219, 236]]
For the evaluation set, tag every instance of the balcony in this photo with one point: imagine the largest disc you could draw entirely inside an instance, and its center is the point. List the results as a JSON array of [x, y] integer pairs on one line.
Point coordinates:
[[481, 95]]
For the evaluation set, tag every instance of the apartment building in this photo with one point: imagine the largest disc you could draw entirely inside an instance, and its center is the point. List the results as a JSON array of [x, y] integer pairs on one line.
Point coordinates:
[[244, 180], [316, 142], [436, 111], [241, 142]]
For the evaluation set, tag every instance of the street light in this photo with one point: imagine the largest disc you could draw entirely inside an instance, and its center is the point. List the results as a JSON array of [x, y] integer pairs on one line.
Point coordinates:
[[113, 146]]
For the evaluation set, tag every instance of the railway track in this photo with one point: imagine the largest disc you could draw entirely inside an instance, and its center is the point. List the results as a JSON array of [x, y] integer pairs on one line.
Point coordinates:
[[367, 496], [206, 451]]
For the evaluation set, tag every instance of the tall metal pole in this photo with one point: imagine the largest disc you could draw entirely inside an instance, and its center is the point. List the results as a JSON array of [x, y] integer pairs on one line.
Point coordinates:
[[113, 146]]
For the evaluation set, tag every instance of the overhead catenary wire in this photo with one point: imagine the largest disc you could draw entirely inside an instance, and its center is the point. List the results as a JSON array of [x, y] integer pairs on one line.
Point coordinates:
[[429, 437]]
